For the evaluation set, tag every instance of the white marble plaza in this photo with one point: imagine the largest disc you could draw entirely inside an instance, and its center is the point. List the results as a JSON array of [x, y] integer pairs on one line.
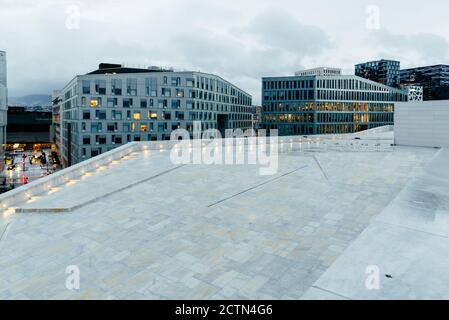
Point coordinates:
[[141, 227]]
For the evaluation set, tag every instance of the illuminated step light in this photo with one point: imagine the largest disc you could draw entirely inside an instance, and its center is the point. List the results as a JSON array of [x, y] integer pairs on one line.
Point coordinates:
[[9, 212], [33, 199]]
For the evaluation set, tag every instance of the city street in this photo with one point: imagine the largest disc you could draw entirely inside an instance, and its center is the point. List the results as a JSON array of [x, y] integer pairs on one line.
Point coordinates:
[[34, 169]]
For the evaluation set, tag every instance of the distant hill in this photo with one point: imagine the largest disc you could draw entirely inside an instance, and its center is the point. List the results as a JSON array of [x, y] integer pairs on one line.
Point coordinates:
[[31, 100]]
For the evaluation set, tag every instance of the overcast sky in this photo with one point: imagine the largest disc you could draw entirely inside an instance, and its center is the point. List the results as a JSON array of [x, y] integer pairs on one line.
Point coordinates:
[[50, 41]]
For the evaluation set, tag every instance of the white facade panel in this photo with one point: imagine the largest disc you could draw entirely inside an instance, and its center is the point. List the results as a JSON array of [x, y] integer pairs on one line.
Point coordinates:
[[423, 124]]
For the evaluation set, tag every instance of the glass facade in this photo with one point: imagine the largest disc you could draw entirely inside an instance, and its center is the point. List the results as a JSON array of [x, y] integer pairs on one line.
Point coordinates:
[[386, 72], [328, 104], [433, 79]]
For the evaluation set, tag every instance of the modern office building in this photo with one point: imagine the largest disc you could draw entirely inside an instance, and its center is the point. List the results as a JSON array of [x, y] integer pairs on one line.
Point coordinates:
[[326, 104], [56, 119], [257, 117], [3, 107], [322, 71], [115, 105], [383, 71], [28, 127], [433, 79]]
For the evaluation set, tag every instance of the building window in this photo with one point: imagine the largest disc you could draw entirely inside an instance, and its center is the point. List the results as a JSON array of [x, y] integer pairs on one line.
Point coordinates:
[[131, 87], [86, 140], [151, 86], [143, 127], [180, 93], [152, 115], [116, 115], [100, 114], [117, 139], [86, 86], [112, 102], [176, 82], [100, 139], [116, 87], [143, 103], [190, 82], [96, 127], [167, 115], [100, 86], [176, 104], [95, 152], [162, 104], [127, 103], [179, 115], [112, 127], [166, 92], [86, 115], [94, 103], [136, 115]]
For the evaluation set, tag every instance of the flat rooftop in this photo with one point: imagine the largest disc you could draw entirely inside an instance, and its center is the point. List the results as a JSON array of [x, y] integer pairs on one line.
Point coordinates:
[[141, 227]]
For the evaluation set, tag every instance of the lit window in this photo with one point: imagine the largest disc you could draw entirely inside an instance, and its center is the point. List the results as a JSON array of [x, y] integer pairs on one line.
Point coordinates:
[[93, 103], [152, 115], [143, 128], [136, 116]]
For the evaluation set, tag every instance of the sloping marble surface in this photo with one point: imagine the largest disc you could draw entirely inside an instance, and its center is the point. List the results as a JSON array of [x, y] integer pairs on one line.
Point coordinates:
[[408, 241], [207, 232]]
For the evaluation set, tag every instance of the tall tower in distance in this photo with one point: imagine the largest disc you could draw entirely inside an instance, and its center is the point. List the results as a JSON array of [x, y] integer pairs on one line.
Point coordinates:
[[3, 107], [3, 77]]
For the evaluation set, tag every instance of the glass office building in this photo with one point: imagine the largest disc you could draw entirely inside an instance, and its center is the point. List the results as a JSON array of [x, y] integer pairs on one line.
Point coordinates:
[[115, 105], [326, 104], [386, 72], [433, 79]]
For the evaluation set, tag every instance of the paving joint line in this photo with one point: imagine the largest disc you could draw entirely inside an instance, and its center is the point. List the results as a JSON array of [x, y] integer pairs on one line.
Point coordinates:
[[5, 232], [255, 187]]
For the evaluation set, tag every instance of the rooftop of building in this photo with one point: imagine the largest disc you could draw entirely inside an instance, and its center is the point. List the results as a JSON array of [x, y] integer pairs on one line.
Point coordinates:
[[110, 68], [427, 67], [139, 226], [377, 61]]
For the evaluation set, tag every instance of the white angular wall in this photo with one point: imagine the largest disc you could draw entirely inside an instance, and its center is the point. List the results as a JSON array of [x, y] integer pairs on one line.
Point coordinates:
[[424, 124]]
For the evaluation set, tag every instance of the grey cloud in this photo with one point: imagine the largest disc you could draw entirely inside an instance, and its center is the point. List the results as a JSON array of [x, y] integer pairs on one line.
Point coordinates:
[[282, 30], [423, 47], [273, 43]]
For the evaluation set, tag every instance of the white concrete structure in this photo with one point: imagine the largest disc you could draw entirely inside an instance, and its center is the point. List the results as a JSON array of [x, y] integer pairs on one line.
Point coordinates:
[[321, 71], [141, 227], [424, 124]]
